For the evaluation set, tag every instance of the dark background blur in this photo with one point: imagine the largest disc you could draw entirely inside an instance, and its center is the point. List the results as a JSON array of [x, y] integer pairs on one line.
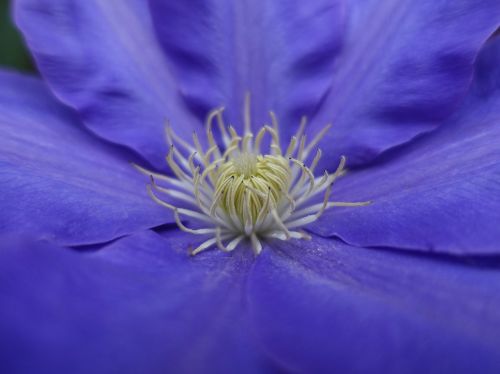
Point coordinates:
[[13, 52]]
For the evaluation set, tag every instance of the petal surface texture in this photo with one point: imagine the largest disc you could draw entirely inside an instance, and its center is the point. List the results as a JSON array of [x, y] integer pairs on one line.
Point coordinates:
[[140, 305], [323, 306], [282, 52], [101, 58], [440, 193], [59, 182], [406, 68], [381, 71]]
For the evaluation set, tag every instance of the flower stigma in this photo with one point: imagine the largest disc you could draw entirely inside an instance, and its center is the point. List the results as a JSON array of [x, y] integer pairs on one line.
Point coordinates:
[[236, 190]]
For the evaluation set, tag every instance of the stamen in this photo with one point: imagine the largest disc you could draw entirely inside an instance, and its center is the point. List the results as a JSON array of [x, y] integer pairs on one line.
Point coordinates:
[[256, 244], [316, 140], [206, 244], [258, 139], [314, 162], [173, 138], [233, 243], [274, 121], [240, 191], [222, 127]]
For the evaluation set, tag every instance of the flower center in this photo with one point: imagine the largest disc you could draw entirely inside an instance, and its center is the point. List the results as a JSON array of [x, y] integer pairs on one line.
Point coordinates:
[[240, 191], [248, 183]]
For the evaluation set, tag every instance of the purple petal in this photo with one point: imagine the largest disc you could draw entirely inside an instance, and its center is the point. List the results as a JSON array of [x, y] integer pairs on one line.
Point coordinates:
[[282, 52], [442, 193], [59, 182], [323, 306], [405, 68], [101, 58], [383, 72], [140, 305]]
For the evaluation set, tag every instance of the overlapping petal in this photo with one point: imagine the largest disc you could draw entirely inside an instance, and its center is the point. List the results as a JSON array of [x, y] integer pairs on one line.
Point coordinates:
[[139, 305], [382, 72], [282, 52], [101, 58], [142, 304], [405, 68], [442, 193], [57, 181], [323, 306]]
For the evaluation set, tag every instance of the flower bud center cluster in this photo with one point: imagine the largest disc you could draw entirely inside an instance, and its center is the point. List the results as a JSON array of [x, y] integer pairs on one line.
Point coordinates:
[[249, 183], [235, 189]]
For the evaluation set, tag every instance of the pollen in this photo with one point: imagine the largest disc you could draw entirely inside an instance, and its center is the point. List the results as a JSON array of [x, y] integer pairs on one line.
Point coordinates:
[[233, 190]]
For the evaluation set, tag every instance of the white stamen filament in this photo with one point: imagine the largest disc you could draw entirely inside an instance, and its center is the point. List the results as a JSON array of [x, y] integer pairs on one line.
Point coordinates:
[[237, 191]]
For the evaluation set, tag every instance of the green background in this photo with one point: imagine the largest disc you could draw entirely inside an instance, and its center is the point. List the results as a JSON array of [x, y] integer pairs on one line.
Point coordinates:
[[13, 52]]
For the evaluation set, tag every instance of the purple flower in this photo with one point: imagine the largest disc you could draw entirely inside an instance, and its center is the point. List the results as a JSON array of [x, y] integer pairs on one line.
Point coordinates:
[[95, 277]]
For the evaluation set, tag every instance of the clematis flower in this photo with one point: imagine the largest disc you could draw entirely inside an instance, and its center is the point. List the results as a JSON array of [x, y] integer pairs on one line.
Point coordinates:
[[96, 277]]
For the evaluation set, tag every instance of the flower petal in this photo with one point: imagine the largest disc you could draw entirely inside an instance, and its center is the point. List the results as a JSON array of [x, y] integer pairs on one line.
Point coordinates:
[[57, 181], [441, 193], [405, 68], [101, 58], [140, 305], [382, 71], [282, 52], [323, 306]]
